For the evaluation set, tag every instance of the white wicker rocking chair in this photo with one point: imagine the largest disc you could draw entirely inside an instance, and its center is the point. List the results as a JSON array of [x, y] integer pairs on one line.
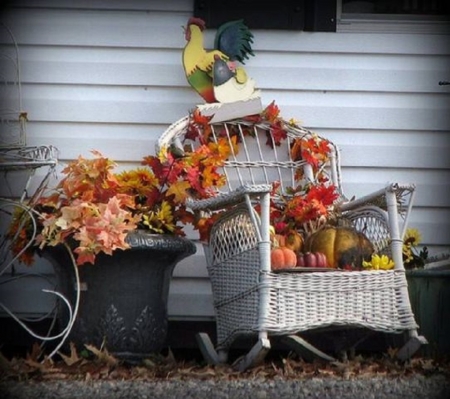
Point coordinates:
[[250, 299]]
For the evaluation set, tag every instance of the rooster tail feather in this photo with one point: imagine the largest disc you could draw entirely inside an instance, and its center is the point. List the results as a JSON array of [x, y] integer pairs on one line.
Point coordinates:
[[235, 40]]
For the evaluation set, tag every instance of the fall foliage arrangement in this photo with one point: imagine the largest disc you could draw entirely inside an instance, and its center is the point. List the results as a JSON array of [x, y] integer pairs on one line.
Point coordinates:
[[94, 207]]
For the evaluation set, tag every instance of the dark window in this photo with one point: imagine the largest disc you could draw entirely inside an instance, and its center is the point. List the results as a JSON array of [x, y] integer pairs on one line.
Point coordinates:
[[309, 15], [405, 7]]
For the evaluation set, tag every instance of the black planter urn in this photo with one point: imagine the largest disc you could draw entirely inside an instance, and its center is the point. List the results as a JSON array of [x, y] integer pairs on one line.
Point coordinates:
[[123, 297]]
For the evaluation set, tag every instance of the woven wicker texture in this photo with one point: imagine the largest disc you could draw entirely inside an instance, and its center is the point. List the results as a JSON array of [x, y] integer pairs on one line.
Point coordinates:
[[373, 222], [248, 298], [300, 301], [309, 300]]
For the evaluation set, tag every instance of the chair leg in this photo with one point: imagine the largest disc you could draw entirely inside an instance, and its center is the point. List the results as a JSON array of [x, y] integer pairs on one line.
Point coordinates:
[[223, 355], [304, 348], [254, 357], [412, 346], [207, 349]]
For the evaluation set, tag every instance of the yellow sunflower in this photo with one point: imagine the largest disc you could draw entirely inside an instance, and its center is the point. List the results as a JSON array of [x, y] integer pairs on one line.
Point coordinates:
[[412, 237], [379, 263]]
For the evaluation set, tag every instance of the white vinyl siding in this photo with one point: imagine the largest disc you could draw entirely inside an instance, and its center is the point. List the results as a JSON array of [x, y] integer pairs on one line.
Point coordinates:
[[107, 75]]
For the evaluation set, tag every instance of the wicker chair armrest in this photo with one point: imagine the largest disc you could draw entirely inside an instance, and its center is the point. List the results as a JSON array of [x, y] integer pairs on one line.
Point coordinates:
[[396, 200], [226, 199], [378, 198]]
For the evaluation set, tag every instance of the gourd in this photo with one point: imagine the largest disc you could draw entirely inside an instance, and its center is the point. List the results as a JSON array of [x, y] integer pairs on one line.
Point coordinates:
[[278, 240], [311, 259], [344, 247], [282, 258], [294, 240]]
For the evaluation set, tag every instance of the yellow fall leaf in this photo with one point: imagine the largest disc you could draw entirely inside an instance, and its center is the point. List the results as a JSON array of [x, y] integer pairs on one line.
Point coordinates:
[[162, 154], [179, 190]]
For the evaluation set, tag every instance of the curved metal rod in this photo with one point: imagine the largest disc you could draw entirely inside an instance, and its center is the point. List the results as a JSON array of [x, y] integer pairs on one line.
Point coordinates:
[[29, 211], [77, 303], [31, 332], [39, 275], [72, 312]]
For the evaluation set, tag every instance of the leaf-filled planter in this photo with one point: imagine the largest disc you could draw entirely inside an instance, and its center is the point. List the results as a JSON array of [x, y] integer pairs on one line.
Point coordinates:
[[344, 247], [123, 301]]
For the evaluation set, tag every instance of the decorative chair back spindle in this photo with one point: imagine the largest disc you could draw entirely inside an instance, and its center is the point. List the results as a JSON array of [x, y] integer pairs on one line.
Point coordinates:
[[258, 158]]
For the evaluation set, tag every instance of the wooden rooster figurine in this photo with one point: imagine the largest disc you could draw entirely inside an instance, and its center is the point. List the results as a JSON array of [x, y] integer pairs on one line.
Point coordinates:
[[232, 43]]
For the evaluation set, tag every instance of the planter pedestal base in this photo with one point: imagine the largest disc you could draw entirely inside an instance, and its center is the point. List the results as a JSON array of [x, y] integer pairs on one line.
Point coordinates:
[[123, 300]]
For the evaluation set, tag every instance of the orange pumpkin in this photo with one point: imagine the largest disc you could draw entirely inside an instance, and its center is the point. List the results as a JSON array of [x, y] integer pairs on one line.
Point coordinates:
[[282, 258], [344, 247]]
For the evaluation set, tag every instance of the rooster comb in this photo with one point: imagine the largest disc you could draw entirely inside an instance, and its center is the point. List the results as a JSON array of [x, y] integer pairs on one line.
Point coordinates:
[[197, 21]]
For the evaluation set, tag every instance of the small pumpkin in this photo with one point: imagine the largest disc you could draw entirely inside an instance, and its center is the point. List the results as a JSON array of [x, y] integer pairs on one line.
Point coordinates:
[[294, 240], [282, 258], [344, 247]]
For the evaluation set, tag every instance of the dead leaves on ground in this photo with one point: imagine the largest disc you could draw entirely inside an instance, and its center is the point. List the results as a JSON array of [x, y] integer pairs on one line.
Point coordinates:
[[102, 365], [103, 356], [73, 358]]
